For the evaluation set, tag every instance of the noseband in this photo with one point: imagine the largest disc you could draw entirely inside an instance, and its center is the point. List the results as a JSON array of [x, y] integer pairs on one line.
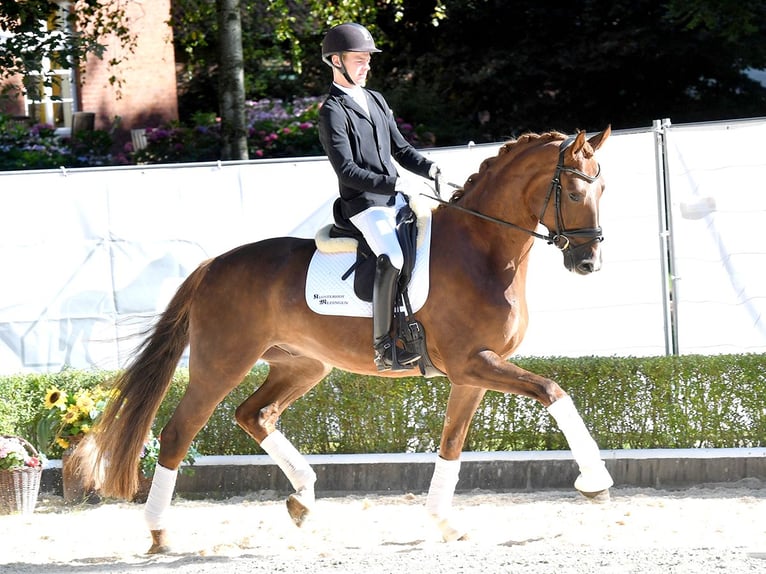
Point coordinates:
[[561, 238]]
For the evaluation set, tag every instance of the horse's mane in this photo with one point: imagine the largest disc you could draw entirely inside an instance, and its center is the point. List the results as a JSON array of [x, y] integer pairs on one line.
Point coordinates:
[[513, 147]]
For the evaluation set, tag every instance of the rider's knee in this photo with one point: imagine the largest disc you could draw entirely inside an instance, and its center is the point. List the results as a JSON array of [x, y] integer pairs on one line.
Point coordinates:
[[395, 259]]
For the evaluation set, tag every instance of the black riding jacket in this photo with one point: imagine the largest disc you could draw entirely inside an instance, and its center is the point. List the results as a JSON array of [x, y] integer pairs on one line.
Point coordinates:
[[361, 148]]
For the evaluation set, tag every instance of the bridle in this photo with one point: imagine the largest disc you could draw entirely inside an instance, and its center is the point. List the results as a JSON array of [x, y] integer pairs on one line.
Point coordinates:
[[562, 236]]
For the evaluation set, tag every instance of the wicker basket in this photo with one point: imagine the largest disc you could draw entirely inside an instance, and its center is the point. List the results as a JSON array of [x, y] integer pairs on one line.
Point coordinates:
[[19, 487]]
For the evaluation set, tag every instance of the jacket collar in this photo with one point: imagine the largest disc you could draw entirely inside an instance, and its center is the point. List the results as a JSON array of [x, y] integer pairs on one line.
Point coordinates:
[[348, 102]]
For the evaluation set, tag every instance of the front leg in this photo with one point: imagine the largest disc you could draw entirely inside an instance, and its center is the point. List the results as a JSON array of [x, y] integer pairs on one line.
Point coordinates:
[[594, 480], [488, 370]]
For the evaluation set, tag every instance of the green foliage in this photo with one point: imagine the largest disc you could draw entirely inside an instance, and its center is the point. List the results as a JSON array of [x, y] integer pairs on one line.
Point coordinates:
[[486, 70], [80, 29], [275, 128], [23, 406], [151, 454], [283, 129], [175, 143], [24, 147], [657, 402]]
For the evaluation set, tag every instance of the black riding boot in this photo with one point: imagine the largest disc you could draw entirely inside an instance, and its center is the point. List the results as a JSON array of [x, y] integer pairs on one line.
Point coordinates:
[[383, 294]]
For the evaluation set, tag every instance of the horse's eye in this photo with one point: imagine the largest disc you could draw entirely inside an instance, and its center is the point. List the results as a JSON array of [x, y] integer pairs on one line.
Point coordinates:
[[574, 197]]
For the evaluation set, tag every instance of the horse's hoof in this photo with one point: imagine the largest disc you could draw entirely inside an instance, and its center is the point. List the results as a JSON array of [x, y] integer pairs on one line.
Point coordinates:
[[593, 480], [601, 496], [159, 543], [297, 509], [449, 532]]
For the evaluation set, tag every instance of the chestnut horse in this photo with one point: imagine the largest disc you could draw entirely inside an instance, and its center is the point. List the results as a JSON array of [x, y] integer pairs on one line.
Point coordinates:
[[248, 304]]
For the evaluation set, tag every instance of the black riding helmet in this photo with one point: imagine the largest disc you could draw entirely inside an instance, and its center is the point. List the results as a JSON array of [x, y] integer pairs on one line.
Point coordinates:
[[347, 37]]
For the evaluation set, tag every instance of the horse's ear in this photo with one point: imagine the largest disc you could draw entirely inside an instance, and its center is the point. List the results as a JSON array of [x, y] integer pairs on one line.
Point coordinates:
[[598, 140], [578, 143]]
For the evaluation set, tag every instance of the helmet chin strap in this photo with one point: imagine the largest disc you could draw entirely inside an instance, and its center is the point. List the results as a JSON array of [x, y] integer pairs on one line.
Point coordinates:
[[341, 69], [345, 75]]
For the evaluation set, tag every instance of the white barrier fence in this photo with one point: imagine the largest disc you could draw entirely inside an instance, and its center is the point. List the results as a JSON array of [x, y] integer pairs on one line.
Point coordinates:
[[90, 256]]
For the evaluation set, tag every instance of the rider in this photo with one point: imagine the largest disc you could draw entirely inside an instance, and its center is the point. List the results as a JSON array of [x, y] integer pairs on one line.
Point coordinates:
[[360, 137]]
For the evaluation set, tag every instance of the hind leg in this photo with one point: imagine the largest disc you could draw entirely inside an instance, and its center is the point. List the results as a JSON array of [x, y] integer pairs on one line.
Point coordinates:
[[290, 377], [207, 388]]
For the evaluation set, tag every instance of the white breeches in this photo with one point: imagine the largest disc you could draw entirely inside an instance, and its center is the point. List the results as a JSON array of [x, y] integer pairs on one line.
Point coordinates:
[[378, 225]]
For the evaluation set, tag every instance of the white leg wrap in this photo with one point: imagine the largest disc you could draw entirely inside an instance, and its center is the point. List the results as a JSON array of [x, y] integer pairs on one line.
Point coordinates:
[[442, 489], [292, 463], [593, 474], [440, 495], [160, 495]]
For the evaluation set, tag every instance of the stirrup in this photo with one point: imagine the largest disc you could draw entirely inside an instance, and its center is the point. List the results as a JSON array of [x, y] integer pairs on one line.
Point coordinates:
[[389, 357]]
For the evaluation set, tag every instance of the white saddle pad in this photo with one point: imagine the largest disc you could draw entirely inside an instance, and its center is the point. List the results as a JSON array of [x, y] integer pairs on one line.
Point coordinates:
[[328, 294]]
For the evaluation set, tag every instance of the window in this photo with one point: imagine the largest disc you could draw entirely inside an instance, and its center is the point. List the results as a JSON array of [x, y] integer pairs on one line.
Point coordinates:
[[50, 94]]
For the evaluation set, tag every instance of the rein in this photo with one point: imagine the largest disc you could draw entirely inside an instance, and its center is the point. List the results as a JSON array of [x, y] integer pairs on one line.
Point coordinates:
[[561, 238]]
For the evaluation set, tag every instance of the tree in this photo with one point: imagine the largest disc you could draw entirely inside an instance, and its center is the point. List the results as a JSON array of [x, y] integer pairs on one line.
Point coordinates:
[[494, 69], [485, 70], [73, 32], [231, 81]]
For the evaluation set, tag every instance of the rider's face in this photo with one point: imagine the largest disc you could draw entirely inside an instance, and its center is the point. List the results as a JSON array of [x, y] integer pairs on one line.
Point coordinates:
[[357, 66]]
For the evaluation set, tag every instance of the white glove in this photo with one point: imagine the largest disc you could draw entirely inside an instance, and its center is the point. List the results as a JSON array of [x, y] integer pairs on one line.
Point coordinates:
[[407, 188]]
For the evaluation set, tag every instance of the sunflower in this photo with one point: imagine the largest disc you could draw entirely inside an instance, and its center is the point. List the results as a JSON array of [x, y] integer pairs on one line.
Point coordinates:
[[71, 415], [55, 398], [85, 402]]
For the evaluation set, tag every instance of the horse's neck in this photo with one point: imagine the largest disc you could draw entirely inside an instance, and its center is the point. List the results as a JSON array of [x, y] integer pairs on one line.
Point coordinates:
[[497, 251]]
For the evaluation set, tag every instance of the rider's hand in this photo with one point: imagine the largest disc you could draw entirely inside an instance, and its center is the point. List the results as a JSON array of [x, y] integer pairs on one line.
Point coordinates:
[[440, 181], [408, 188]]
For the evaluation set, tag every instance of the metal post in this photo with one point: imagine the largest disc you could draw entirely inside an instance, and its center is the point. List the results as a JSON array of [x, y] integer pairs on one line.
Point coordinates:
[[669, 295]]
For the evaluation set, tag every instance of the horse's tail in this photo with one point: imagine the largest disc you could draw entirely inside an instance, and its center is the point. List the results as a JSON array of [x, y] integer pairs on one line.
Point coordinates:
[[108, 458]]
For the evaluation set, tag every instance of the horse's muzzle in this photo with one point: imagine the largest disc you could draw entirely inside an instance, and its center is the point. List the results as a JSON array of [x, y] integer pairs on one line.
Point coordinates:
[[583, 259], [587, 266]]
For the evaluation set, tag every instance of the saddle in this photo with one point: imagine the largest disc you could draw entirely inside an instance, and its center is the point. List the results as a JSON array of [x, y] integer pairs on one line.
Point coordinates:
[[409, 330]]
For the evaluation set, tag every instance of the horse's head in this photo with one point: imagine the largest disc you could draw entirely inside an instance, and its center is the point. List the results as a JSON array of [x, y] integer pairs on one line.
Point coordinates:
[[570, 207]]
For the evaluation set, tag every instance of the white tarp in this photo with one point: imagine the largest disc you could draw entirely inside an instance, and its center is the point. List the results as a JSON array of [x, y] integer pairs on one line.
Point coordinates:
[[718, 221], [91, 256]]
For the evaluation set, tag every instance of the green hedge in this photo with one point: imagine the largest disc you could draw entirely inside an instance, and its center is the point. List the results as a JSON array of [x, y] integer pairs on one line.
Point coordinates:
[[656, 402]]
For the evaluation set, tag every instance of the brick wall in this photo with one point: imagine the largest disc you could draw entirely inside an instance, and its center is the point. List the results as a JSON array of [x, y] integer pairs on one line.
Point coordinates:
[[148, 92], [10, 101]]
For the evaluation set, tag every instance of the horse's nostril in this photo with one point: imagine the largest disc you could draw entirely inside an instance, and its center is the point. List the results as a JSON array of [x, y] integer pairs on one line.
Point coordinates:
[[585, 267]]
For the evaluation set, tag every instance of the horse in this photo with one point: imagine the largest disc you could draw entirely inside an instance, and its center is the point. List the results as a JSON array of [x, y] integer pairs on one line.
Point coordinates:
[[248, 304]]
